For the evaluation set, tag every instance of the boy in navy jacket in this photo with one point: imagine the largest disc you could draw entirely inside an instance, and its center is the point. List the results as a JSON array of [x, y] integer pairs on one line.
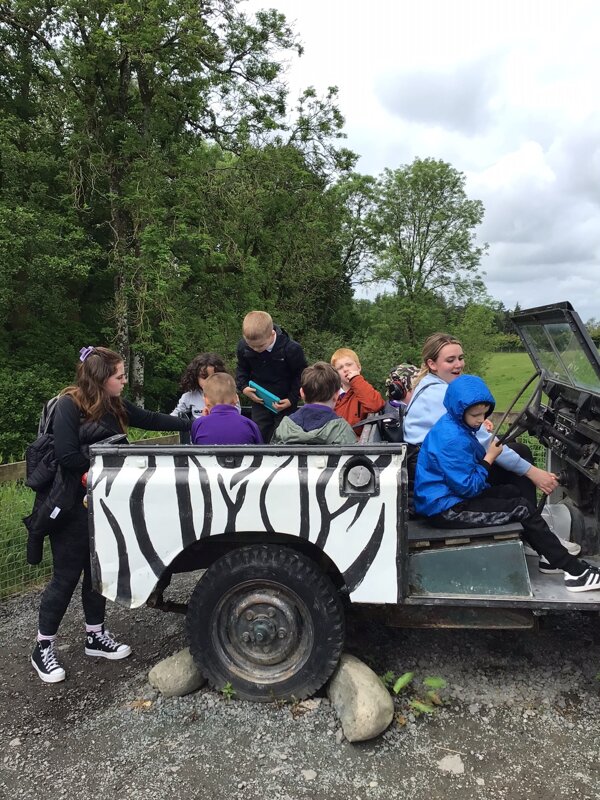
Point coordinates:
[[267, 356], [451, 484]]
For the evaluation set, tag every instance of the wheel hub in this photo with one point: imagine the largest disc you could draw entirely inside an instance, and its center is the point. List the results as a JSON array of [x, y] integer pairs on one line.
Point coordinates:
[[263, 626]]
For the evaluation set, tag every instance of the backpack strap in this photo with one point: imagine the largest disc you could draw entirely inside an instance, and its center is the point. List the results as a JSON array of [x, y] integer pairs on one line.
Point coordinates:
[[47, 416]]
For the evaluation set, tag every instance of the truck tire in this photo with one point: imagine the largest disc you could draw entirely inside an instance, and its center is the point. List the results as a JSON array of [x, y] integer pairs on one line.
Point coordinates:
[[267, 621]]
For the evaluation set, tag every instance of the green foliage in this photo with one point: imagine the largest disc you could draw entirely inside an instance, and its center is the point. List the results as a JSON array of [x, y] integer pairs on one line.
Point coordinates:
[[402, 682], [228, 691], [22, 397], [414, 696], [387, 679], [390, 332], [593, 328], [154, 187], [434, 682], [424, 224], [476, 331]]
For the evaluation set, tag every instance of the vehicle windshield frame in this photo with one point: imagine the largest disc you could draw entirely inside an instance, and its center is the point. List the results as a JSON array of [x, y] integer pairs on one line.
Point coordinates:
[[560, 346]]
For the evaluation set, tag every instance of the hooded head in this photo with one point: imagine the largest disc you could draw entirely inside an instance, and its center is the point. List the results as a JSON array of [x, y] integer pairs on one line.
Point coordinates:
[[399, 381], [464, 392]]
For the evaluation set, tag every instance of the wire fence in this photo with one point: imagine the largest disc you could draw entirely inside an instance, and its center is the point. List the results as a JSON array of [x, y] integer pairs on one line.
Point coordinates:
[[16, 500], [16, 575]]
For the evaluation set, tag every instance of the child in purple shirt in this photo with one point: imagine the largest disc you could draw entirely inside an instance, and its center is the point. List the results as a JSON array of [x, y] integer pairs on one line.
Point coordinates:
[[222, 422]]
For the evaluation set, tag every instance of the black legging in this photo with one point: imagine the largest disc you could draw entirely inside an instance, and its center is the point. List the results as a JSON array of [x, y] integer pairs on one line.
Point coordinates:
[[500, 505], [70, 556], [498, 476]]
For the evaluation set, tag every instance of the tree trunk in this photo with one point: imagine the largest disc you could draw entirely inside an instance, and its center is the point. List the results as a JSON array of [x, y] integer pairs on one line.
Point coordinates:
[[136, 378]]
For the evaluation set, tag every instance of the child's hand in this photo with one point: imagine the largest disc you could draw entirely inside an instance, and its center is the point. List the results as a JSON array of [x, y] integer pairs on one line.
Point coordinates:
[[488, 425], [251, 393], [493, 451], [282, 405], [351, 373]]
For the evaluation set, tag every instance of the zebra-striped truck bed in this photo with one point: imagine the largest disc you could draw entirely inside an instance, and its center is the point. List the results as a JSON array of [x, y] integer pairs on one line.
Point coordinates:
[[148, 505]]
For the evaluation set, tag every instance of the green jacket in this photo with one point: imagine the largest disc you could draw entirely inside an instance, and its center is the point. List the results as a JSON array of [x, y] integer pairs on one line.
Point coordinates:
[[336, 431]]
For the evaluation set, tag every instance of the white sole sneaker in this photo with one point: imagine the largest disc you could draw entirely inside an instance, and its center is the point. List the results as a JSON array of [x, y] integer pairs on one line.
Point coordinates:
[[116, 656], [56, 676], [546, 569], [589, 581]]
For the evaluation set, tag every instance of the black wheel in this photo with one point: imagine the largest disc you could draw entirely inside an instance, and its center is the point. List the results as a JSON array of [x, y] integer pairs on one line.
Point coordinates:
[[265, 619]]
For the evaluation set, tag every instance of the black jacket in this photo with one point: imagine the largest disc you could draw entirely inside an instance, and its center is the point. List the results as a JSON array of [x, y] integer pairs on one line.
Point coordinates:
[[278, 371], [72, 440]]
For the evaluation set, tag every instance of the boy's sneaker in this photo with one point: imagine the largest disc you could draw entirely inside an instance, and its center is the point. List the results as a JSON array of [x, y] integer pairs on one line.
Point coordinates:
[[587, 582], [43, 660], [102, 644], [544, 566], [573, 548]]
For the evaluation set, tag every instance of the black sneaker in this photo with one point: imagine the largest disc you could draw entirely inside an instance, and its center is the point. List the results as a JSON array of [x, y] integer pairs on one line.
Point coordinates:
[[544, 566], [103, 644], [586, 582], [43, 660]]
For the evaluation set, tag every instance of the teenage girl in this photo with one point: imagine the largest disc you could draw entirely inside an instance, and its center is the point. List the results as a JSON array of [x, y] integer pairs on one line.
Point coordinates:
[[443, 361], [87, 412]]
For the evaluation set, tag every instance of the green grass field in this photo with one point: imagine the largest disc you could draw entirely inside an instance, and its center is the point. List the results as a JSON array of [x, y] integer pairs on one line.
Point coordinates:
[[506, 374]]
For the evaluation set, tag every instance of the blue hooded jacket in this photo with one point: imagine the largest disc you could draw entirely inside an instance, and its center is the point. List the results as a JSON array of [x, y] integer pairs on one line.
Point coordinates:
[[450, 465]]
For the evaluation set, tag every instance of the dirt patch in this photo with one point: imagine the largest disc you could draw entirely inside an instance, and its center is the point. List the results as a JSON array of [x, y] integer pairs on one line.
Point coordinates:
[[521, 720]]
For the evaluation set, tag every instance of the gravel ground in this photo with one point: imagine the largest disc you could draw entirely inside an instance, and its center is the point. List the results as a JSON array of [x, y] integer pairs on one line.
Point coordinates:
[[521, 719]]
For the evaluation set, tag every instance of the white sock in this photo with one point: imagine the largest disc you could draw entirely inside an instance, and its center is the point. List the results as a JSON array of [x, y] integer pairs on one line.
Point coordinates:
[[94, 628], [41, 637]]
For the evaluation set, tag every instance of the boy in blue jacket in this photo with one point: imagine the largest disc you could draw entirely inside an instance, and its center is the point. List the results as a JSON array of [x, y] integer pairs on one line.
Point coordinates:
[[451, 485]]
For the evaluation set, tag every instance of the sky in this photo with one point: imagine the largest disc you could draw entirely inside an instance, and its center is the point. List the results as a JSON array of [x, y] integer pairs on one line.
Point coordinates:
[[504, 90]]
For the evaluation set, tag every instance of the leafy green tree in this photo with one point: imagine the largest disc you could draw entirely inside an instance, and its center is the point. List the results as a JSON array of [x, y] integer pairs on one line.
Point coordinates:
[[425, 226], [42, 243], [138, 85]]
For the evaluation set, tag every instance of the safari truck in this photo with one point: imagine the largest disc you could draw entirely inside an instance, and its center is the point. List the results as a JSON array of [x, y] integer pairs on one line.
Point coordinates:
[[290, 536]]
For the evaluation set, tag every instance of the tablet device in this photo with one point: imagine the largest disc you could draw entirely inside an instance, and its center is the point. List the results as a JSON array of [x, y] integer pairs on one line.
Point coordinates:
[[268, 397]]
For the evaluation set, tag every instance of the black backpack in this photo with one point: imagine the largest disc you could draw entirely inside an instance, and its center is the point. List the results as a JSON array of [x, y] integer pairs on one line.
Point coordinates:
[[40, 459]]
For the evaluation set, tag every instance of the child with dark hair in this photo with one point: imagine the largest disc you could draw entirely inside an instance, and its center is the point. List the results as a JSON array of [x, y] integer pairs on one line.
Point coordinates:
[[192, 383], [316, 422], [452, 487]]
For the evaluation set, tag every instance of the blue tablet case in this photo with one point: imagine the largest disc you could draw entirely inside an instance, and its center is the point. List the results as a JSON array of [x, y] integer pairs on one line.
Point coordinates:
[[268, 397]]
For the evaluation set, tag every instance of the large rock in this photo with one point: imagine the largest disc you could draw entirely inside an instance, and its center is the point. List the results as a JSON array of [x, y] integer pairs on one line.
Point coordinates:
[[176, 675], [362, 703]]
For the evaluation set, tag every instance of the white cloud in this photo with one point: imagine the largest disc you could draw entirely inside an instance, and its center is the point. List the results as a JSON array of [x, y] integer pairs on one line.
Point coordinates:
[[506, 92]]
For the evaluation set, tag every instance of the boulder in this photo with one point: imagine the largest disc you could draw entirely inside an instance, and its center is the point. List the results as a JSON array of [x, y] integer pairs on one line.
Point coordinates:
[[363, 704], [176, 675]]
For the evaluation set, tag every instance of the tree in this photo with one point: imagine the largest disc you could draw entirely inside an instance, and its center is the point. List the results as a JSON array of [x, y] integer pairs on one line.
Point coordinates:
[[136, 87], [425, 227], [42, 243]]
